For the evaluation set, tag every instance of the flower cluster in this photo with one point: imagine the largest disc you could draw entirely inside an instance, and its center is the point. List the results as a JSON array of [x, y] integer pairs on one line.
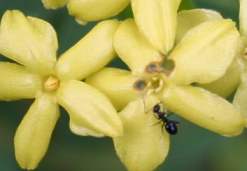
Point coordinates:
[[187, 62]]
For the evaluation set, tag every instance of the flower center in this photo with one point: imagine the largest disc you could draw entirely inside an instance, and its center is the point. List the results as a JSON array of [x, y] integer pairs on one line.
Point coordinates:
[[155, 84], [155, 76], [51, 84]]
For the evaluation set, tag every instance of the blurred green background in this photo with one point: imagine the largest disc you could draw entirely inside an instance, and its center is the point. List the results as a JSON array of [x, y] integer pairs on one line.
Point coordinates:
[[193, 149]]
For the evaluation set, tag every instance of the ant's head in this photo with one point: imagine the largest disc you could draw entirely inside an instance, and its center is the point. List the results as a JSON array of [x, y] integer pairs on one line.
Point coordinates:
[[156, 108]]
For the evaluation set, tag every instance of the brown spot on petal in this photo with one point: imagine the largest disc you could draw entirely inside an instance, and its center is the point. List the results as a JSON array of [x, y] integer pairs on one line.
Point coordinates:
[[168, 67], [140, 85], [153, 67]]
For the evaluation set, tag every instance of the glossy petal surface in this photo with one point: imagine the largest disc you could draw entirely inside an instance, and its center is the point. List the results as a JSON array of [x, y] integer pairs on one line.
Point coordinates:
[[92, 10], [204, 109], [144, 144], [17, 83], [91, 113], [243, 17], [33, 135], [117, 84], [205, 52], [226, 85], [90, 54], [29, 41], [133, 48], [240, 98], [188, 19], [54, 4], [157, 21]]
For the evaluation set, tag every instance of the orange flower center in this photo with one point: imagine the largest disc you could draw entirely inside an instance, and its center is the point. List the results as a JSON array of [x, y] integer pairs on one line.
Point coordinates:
[[51, 84]]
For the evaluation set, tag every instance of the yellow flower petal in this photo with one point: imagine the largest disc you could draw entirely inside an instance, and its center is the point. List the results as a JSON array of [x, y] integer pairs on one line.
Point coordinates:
[[188, 19], [17, 83], [133, 48], [77, 129], [93, 10], [54, 4], [157, 20], [117, 84], [204, 109], [226, 85], [144, 144], [90, 54], [243, 17], [34, 133], [205, 52], [89, 109], [29, 41], [240, 98]]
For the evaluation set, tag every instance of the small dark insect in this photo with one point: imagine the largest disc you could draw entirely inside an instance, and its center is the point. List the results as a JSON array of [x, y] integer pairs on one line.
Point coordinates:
[[171, 126]]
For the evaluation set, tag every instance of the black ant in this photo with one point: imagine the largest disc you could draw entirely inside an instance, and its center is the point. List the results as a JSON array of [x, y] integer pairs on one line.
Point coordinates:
[[170, 125]]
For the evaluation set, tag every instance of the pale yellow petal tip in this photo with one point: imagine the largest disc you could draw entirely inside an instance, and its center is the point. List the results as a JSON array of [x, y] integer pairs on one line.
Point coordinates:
[[9, 13], [27, 165], [95, 10], [109, 131], [234, 127], [22, 160], [54, 4], [157, 21], [90, 111], [82, 131], [29, 41], [81, 22], [236, 130]]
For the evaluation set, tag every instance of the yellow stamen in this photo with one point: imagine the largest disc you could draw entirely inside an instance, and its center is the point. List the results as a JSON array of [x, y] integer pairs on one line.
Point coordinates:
[[51, 84]]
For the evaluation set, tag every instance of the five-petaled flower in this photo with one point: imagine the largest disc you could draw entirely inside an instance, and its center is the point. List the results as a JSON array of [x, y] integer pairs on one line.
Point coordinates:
[[32, 43], [167, 66], [88, 10]]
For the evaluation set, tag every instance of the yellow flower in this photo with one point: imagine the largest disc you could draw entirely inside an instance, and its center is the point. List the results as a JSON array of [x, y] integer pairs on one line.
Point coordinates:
[[165, 71], [32, 43], [240, 99], [89, 10]]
